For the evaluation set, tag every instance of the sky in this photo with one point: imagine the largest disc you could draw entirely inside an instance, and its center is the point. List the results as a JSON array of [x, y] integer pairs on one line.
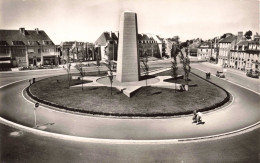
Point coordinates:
[[85, 20]]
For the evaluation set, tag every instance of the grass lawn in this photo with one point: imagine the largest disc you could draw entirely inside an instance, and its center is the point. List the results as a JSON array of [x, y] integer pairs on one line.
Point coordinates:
[[147, 100]]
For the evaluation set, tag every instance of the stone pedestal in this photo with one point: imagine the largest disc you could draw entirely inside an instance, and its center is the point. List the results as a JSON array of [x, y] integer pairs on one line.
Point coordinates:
[[128, 68]]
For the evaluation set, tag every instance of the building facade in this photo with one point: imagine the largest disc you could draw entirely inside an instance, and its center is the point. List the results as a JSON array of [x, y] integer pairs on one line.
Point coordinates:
[[107, 44], [74, 51], [149, 44], [225, 45], [23, 48], [245, 55], [206, 51]]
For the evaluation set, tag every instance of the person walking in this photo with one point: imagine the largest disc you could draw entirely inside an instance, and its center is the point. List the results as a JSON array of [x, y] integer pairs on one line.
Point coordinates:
[[199, 117]]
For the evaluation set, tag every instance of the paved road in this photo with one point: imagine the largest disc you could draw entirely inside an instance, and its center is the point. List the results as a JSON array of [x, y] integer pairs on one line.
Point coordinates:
[[24, 147], [243, 112], [232, 75], [28, 147]]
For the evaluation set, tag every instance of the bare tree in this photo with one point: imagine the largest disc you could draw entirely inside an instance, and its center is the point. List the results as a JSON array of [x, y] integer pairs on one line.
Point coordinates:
[[82, 72], [186, 66], [68, 72], [110, 73], [145, 67], [174, 74]]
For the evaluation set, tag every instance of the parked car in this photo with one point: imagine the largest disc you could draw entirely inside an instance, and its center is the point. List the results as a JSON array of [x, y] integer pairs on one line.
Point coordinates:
[[252, 74], [220, 74]]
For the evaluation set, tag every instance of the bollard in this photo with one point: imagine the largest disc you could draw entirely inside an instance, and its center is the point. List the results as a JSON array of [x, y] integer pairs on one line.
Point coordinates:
[[33, 80]]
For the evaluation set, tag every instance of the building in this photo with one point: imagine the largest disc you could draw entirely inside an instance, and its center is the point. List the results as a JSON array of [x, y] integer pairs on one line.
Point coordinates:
[[245, 55], [22, 48], [150, 44], [206, 51], [225, 46], [193, 48], [167, 47], [74, 51], [108, 44]]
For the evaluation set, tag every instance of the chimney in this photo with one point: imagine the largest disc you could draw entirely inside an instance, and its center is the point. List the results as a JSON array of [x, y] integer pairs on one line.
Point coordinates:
[[110, 34], [37, 30], [239, 36], [22, 30]]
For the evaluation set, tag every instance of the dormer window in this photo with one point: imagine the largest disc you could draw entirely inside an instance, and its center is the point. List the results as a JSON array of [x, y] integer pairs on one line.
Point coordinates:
[[3, 43], [17, 42], [47, 42], [33, 43]]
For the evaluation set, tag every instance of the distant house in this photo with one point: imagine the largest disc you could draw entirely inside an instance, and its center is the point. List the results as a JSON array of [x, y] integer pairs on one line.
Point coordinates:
[[150, 44], [206, 50], [167, 47], [245, 55], [21, 48], [193, 48], [73, 51], [225, 46], [108, 44]]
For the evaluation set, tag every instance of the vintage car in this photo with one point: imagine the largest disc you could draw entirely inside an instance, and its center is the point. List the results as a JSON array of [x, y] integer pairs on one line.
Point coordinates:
[[220, 74], [252, 74]]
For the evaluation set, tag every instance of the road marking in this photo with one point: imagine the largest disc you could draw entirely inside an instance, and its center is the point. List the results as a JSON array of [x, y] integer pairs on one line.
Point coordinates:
[[12, 83]]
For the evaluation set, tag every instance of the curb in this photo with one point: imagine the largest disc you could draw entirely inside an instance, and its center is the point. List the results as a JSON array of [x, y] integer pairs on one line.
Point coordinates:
[[155, 115], [125, 141]]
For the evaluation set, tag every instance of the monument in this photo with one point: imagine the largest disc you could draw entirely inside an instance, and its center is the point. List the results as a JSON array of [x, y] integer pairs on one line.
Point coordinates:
[[128, 69]]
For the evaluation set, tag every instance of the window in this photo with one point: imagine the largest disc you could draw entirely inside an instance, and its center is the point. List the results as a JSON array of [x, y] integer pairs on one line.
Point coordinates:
[[18, 43], [33, 43], [3, 43]]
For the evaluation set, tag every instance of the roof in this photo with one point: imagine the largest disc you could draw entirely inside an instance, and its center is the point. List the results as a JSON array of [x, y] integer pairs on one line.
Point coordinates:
[[193, 50], [30, 35], [254, 42], [104, 37], [205, 44], [228, 39], [243, 42]]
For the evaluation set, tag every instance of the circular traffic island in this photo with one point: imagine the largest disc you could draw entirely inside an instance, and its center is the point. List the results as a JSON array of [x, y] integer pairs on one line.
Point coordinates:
[[146, 102]]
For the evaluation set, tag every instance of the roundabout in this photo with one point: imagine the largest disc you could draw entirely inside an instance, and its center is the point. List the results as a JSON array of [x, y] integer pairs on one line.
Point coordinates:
[[231, 118]]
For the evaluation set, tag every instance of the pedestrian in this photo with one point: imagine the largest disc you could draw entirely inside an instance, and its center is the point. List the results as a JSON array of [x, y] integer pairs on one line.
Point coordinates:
[[199, 118], [194, 118]]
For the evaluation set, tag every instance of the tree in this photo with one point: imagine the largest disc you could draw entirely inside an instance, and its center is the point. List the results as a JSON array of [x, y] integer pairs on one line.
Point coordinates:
[[174, 52], [174, 74], [248, 34], [223, 36], [110, 73], [186, 66], [82, 72], [68, 71], [145, 66]]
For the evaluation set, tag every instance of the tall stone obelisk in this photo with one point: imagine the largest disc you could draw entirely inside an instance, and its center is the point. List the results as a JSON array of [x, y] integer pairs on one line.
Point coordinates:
[[128, 57]]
